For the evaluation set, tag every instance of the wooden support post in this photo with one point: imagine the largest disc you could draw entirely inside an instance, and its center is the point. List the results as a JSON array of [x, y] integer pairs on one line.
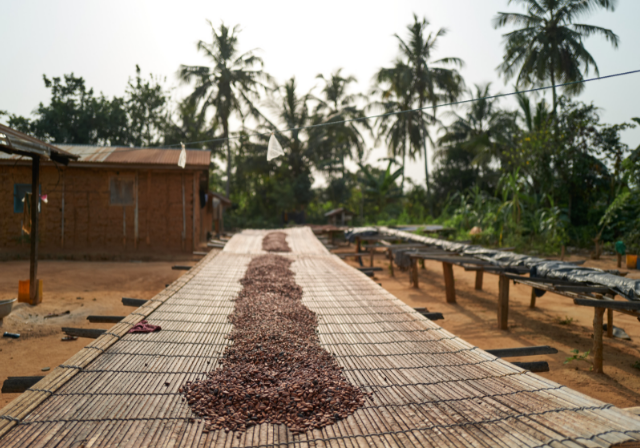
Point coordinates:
[[194, 197], [184, 216], [609, 323], [598, 316], [479, 278], [62, 214], [35, 200], [414, 273], [533, 298], [371, 253], [422, 264], [390, 255], [135, 215], [148, 206], [503, 302], [449, 282], [619, 257]]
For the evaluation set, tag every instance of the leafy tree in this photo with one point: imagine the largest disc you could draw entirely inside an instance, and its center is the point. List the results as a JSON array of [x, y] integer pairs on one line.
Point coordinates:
[[485, 130], [146, 103], [379, 187], [231, 85], [399, 129], [550, 45], [431, 81], [333, 144], [75, 115], [192, 126]]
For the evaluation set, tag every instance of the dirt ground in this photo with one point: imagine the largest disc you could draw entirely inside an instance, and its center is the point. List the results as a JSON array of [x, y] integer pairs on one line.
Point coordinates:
[[80, 287], [86, 288], [555, 321]]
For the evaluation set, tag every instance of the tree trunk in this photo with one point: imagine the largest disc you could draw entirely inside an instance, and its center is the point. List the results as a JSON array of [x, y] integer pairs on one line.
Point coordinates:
[[225, 127], [555, 96]]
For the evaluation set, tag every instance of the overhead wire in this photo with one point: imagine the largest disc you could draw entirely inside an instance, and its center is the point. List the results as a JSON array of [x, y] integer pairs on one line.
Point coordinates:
[[419, 109], [350, 120]]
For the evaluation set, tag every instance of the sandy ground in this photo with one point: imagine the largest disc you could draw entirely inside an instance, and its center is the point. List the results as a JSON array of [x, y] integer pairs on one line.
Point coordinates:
[[85, 288], [474, 318]]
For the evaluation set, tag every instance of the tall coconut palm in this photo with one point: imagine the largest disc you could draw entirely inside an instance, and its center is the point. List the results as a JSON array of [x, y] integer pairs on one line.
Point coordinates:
[[432, 81], [292, 110], [338, 142], [399, 129], [231, 85], [550, 45]]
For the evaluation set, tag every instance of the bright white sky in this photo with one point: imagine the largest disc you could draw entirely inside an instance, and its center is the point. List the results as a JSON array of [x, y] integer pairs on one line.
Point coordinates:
[[102, 42]]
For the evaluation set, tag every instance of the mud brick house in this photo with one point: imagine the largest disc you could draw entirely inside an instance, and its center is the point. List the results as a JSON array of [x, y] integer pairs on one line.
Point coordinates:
[[113, 202]]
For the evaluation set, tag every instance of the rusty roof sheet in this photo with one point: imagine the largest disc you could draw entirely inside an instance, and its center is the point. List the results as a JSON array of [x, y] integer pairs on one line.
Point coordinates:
[[16, 143], [135, 156]]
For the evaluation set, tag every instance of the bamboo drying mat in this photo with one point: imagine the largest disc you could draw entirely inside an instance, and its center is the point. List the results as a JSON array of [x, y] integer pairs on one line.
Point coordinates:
[[430, 387]]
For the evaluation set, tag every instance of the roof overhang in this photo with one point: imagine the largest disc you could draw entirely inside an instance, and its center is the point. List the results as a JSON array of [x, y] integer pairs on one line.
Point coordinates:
[[15, 142]]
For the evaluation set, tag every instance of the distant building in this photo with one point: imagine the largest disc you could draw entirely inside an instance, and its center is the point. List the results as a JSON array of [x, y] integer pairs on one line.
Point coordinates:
[[112, 202], [339, 216]]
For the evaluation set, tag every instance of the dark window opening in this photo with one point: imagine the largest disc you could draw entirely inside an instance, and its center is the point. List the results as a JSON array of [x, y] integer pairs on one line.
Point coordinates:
[[121, 191], [19, 191]]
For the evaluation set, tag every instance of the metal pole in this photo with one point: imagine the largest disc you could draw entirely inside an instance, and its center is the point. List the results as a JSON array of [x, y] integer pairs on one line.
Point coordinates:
[[35, 199]]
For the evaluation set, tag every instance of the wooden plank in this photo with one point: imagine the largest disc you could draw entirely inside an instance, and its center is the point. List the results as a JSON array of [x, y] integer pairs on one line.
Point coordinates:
[[609, 323], [83, 332], [535, 366], [18, 384], [449, 282], [433, 316], [503, 302], [523, 351], [585, 289], [372, 269], [598, 314], [608, 304], [126, 301], [105, 319], [180, 268]]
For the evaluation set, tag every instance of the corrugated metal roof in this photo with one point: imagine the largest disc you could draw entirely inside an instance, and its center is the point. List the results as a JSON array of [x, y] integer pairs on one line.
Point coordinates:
[[14, 142], [134, 156]]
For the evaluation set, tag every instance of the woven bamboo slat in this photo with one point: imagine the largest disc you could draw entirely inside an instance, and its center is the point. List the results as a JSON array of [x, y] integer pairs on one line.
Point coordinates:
[[430, 388]]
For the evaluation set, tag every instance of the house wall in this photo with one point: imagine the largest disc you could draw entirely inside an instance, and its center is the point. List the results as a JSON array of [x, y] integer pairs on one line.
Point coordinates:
[[94, 227]]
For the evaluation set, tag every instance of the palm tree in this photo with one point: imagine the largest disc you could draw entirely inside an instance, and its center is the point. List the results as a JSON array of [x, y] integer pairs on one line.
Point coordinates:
[[192, 125], [343, 140], [550, 46], [399, 129], [231, 85], [431, 81], [380, 188], [293, 112], [485, 130]]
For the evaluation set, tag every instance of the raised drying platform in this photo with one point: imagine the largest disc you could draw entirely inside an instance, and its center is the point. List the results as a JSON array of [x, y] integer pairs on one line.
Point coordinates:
[[429, 387]]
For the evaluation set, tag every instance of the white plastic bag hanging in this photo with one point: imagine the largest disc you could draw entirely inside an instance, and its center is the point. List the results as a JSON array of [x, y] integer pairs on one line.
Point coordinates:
[[274, 150], [182, 160]]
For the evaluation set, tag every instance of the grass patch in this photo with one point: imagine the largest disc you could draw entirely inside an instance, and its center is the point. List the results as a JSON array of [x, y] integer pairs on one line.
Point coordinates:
[[565, 321], [577, 356]]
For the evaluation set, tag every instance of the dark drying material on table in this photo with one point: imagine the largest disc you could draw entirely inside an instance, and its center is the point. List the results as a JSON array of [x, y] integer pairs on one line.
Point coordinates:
[[275, 242], [275, 371]]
